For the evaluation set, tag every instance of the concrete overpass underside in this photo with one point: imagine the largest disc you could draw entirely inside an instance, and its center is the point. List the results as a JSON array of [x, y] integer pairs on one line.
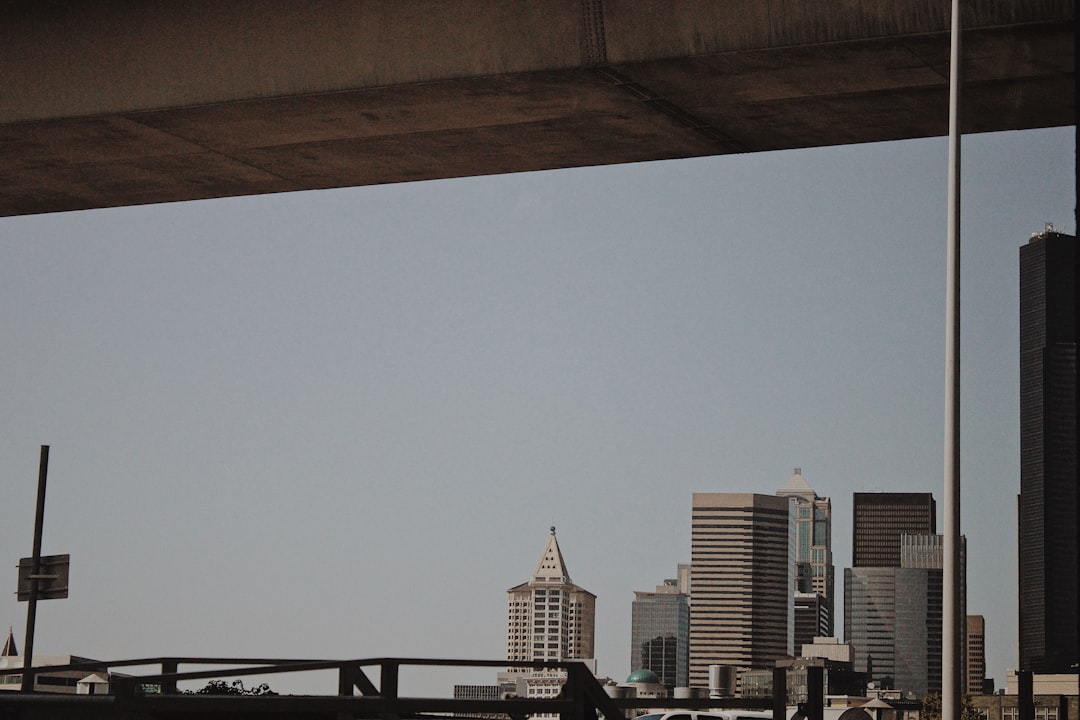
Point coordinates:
[[117, 103]]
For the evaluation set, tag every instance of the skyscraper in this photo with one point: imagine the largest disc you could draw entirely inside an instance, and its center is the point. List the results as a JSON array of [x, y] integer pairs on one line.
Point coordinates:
[[1049, 557], [742, 582], [880, 519], [814, 571], [549, 617], [893, 617], [893, 592], [660, 633]]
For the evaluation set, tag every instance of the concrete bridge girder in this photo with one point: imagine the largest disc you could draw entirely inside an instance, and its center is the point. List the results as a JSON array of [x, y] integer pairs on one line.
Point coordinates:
[[120, 103]]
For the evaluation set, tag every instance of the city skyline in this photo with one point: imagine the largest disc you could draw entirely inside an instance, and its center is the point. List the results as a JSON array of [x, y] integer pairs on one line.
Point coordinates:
[[348, 394]]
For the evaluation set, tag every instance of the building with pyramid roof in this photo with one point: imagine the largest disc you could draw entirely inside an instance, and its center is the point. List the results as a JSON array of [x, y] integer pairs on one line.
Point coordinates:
[[549, 617]]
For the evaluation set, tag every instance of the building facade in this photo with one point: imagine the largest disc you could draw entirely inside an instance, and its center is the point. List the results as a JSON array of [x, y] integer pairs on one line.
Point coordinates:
[[66, 682], [660, 634], [742, 582], [880, 519], [975, 677], [893, 617], [812, 618], [1049, 558], [837, 676], [814, 570], [1055, 697], [549, 617]]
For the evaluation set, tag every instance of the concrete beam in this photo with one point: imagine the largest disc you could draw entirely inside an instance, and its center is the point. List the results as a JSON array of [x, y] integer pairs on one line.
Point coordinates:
[[120, 102]]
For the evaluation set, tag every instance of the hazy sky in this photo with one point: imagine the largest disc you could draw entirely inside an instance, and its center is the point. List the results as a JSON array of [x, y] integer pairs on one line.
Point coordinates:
[[338, 424]]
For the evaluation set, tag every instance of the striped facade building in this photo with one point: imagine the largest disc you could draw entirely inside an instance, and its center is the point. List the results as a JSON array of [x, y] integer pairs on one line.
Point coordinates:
[[742, 582]]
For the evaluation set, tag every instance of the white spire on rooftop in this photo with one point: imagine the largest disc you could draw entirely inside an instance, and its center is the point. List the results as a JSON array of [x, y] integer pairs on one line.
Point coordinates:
[[552, 567]]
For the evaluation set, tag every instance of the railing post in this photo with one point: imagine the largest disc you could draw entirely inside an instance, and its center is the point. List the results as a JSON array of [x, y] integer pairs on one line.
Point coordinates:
[[815, 693], [1025, 700], [568, 691], [346, 682], [574, 691], [346, 685], [123, 689], [388, 688], [168, 685], [779, 693]]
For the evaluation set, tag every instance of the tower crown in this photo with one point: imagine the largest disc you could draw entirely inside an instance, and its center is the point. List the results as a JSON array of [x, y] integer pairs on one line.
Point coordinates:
[[9, 649], [798, 487], [551, 567]]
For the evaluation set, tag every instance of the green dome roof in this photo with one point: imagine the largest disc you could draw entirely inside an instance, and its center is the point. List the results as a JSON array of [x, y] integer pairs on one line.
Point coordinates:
[[643, 677]]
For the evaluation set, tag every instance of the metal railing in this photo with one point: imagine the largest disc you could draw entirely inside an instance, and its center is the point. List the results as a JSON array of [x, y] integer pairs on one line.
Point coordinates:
[[366, 688]]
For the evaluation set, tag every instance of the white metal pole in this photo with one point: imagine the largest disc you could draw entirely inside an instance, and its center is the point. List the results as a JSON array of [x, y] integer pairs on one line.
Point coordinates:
[[952, 580]]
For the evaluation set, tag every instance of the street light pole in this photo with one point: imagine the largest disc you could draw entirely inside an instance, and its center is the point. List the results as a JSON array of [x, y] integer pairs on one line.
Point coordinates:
[[953, 582]]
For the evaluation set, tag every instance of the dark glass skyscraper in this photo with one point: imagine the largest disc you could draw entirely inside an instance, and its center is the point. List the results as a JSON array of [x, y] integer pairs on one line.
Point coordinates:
[[1049, 561], [893, 591], [893, 616], [880, 519]]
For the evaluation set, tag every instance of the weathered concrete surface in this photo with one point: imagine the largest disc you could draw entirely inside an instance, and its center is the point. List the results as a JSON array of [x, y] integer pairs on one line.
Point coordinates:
[[118, 102]]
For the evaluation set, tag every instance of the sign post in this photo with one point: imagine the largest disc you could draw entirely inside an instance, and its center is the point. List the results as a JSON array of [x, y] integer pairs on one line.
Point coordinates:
[[40, 578]]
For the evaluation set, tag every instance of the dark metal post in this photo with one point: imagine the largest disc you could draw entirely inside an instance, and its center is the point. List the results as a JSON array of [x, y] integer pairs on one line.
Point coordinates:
[[388, 688], [1025, 695], [35, 570], [779, 693], [572, 691], [815, 693], [168, 685], [346, 683]]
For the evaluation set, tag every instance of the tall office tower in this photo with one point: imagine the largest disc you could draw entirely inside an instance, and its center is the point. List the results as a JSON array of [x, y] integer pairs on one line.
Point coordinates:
[[814, 571], [878, 521], [975, 677], [660, 634], [548, 617], [893, 616], [1049, 558], [742, 582]]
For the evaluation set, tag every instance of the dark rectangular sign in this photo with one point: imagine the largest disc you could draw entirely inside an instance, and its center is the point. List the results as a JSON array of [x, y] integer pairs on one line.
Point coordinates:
[[52, 577]]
